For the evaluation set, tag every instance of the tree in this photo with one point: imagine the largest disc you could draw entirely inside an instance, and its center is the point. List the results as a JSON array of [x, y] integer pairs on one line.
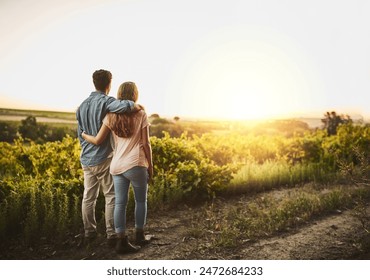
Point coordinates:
[[176, 119], [332, 121], [29, 129], [154, 116]]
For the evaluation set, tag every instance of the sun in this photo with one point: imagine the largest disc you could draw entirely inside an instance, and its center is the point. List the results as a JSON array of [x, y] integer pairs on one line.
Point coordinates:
[[242, 79], [249, 83]]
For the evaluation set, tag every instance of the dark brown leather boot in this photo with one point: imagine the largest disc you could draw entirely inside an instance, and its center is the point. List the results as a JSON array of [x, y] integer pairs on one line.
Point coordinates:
[[141, 238], [123, 246]]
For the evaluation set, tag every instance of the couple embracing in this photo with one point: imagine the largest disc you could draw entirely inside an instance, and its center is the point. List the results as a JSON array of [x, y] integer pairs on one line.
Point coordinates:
[[103, 122]]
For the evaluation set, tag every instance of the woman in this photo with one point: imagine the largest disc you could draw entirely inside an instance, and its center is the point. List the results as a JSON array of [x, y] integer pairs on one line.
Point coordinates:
[[131, 163]]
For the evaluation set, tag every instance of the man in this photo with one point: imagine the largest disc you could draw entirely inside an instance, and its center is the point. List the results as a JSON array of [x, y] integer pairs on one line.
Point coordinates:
[[95, 160]]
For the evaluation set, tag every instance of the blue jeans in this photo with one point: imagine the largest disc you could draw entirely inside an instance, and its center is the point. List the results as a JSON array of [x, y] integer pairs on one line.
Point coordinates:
[[138, 176]]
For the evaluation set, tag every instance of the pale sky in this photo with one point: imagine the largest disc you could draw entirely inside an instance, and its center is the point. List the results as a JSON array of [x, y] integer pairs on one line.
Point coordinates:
[[193, 58]]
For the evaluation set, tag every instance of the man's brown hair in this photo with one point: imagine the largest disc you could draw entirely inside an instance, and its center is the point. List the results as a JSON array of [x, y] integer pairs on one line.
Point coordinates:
[[102, 79]]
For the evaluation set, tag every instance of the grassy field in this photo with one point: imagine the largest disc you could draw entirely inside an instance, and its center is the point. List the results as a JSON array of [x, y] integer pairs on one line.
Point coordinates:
[[36, 113]]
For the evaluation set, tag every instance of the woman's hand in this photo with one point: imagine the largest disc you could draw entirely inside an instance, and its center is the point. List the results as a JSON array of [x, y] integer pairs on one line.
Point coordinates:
[[98, 139]]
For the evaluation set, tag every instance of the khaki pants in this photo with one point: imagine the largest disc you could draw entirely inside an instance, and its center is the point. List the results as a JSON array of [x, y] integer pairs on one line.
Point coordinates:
[[96, 177]]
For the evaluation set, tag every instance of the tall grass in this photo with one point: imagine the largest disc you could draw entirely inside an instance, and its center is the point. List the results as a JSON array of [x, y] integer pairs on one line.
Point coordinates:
[[38, 209], [255, 177]]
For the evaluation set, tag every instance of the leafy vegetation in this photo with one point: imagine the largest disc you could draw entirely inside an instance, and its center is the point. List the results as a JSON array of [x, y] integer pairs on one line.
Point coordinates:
[[41, 185], [30, 130], [24, 123]]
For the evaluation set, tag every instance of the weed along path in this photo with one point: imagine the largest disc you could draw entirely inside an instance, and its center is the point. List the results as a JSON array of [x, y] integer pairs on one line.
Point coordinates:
[[197, 233]]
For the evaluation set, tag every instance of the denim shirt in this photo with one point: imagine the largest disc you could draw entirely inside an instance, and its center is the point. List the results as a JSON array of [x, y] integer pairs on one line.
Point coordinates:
[[90, 117]]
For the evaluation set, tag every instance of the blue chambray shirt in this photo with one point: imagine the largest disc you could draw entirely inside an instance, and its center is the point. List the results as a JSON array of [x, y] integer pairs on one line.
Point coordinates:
[[90, 117]]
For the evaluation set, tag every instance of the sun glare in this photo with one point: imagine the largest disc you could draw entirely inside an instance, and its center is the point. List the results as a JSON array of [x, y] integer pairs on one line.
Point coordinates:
[[243, 79]]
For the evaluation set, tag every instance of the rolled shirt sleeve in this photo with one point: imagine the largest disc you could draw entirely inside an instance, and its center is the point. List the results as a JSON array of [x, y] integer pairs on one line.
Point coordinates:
[[119, 106]]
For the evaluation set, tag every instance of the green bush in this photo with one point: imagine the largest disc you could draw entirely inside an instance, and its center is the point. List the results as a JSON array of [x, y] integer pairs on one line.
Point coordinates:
[[182, 172], [8, 131]]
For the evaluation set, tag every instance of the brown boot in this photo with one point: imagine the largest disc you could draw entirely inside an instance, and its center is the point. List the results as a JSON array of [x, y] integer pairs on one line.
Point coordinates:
[[141, 238], [123, 246]]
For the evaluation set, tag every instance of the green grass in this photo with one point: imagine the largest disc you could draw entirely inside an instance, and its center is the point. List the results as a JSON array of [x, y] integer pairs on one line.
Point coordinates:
[[255, 177], [268, 214]]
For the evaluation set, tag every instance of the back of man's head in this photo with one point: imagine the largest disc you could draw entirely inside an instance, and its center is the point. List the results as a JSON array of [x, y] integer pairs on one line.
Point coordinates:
[[102, 79]]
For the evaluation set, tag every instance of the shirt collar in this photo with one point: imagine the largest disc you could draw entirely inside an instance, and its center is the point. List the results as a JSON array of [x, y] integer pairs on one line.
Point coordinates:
[[97, 92]]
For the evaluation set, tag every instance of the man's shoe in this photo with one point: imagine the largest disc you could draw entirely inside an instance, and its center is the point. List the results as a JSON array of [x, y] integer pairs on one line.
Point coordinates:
[[111, 241], [89, 238]]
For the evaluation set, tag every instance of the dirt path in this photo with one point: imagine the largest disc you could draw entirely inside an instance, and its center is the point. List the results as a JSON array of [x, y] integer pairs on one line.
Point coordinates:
[[334, 237], [337, 236]]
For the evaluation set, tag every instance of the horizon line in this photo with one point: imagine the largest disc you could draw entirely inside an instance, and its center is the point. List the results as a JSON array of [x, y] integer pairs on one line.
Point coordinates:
[[301, 115]]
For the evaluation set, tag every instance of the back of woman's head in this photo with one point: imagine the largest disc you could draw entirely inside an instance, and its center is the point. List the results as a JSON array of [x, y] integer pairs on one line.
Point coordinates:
[[123, 124], [128, 91]]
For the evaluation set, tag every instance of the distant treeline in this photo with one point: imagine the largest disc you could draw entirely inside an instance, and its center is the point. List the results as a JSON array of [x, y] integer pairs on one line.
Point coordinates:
[[30, 130]]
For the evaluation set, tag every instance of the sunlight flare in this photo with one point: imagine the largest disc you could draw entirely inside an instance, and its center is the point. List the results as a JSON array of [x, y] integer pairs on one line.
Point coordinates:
[[243, 79]]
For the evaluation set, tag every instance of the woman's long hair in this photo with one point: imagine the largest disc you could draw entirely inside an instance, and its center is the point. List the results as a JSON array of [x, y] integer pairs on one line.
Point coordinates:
[[123, 124]]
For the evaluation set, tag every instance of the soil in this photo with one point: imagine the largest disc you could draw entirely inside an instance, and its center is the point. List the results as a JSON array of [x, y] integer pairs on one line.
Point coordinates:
[[335, 236]]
